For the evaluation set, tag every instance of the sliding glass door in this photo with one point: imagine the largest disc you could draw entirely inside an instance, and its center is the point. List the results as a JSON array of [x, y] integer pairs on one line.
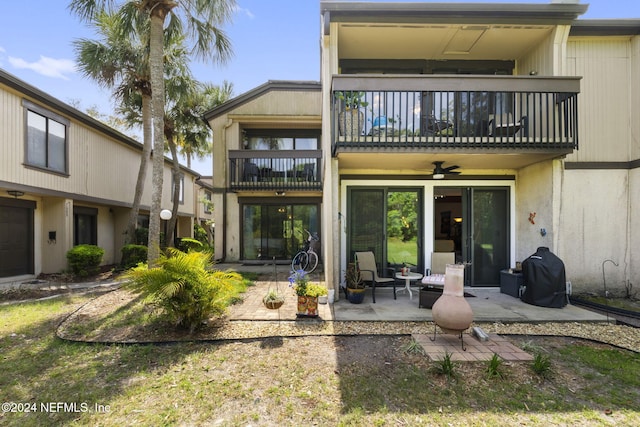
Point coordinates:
[[486, 226], [387, 221], [276, 230], [475, 222]]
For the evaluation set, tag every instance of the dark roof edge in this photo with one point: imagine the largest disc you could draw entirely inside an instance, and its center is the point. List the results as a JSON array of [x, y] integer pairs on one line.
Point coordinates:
[[605, 27], [203, 184], [271, 85], [551, 13], [54, 103]]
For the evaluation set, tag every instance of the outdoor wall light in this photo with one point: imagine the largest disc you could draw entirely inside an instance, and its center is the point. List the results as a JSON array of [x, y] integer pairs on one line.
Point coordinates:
[[165, 214], [15, 193], [280, 193]]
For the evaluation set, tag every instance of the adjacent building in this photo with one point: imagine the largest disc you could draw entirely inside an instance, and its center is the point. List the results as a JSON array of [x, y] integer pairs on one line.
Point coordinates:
[[67, 179]]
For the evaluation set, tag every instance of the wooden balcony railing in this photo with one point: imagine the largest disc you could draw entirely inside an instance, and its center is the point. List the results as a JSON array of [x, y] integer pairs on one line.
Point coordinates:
[[455, 111], [275, 170]]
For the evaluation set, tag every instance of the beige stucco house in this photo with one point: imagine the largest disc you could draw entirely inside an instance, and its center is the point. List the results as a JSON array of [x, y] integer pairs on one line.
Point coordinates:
[[488, 129], [268, 171], [67, 179]]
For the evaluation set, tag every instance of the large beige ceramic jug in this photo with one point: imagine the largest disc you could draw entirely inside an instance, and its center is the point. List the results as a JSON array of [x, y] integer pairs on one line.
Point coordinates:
[[451, 312]]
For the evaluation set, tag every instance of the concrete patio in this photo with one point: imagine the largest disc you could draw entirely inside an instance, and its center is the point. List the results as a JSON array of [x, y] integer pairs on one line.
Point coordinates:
[[488, 304]]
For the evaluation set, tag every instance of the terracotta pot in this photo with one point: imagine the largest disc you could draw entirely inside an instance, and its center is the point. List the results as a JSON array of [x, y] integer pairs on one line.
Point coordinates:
[[451, 312]]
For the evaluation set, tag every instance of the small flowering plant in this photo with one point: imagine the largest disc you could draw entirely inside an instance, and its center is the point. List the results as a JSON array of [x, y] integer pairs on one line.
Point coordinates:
[[299, 281]]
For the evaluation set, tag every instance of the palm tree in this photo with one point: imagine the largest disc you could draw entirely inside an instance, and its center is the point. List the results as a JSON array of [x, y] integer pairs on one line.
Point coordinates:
[[209, 97], [185, 127], [202, 18], [122, 63]]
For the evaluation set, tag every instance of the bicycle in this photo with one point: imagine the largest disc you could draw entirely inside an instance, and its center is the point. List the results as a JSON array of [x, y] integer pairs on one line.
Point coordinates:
[[306, 259]]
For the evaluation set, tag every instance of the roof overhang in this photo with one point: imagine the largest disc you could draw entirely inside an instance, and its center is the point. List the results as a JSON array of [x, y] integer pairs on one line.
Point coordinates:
[[447, 13], [271, 85], [605, 27]]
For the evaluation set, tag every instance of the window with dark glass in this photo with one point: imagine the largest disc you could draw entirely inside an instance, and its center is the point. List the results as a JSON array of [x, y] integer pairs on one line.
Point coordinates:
[[207, 202], [275, 142], [85, 226], [180, 190], [46, 139]]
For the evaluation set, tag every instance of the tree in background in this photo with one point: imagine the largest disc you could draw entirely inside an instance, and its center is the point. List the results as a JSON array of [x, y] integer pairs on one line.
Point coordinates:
[[202, 19], [185, 128], [120, 61], [211, 96]]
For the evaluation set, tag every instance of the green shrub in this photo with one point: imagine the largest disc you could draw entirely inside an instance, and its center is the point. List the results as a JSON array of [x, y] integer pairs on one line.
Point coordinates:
[[185, 287], [200, 234], [142, 236], [84, 260], [187, 244], [132, 255]]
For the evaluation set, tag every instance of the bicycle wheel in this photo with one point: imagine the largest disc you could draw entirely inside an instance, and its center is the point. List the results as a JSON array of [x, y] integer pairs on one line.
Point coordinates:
[[312, 262], [300, 261]]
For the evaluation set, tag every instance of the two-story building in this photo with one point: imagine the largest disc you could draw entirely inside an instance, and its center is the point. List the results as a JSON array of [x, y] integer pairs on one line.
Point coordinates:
[[67, 179], [483, 129]]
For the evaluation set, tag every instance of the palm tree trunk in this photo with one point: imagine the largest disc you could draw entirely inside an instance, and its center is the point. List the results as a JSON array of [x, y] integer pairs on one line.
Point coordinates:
[[142, 172], [157, 101]]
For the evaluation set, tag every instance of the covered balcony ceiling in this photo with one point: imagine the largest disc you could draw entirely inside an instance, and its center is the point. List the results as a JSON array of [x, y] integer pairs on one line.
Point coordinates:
[[422, 163], [439, 42]]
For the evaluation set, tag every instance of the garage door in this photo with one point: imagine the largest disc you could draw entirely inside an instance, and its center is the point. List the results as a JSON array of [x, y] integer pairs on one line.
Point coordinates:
[[16, 237]]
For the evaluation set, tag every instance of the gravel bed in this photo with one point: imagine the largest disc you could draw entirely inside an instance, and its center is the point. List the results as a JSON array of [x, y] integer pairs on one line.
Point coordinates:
[[618, 335], [225, 329]]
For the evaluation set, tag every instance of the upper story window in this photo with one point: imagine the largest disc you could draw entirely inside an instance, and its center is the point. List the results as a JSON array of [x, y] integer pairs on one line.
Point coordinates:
[[207, 202], [281, 140], [180, 184], [46, 139]]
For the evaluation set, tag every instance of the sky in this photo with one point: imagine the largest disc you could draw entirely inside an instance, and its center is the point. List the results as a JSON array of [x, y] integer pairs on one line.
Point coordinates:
[[271, 40]]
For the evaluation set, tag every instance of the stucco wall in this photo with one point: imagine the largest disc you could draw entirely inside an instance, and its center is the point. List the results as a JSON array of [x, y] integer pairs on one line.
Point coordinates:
[[233, 227], [57, 215], [534, 195], [594, 227]]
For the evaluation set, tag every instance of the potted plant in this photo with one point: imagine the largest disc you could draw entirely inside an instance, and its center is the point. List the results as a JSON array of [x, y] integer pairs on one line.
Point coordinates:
[[355, 285], [273, 300], [351, 119], [307, 293]]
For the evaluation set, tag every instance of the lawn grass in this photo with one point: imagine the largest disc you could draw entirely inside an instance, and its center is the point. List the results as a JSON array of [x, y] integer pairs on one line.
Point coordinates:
[[348, 381], [399, 252]]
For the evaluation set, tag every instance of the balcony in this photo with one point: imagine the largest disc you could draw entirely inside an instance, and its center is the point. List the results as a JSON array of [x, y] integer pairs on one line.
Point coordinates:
[[460, 113], [278, 170]]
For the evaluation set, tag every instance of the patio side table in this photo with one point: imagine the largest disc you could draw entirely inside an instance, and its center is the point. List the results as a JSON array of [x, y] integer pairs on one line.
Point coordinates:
[[408, 278]]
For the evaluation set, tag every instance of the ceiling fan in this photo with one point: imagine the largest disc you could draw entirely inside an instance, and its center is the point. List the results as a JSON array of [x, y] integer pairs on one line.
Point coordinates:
[[439, 172]]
